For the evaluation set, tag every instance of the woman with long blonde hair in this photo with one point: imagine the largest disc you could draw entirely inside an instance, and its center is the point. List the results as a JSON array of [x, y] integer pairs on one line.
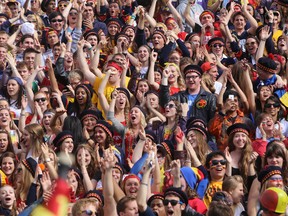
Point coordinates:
[[239, 153]]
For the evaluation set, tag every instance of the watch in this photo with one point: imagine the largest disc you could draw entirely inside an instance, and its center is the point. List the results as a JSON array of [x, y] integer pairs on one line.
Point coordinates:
[[47, 160]]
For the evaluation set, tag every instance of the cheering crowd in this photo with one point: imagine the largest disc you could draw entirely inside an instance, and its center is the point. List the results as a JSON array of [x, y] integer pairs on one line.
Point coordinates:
[[133, 107]]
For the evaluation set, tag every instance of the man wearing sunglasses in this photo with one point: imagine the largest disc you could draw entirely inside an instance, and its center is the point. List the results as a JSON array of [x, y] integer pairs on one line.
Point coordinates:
[[216, 166], [175, 201]]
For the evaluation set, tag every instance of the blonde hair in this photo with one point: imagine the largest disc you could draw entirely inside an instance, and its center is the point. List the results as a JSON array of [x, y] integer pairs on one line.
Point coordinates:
[[231, 182], [180, 79], [26, 182], [36, 138], [207, 80]]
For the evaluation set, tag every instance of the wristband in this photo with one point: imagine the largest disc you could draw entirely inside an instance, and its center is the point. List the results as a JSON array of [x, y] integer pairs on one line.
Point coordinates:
[[70, 41], [144, 184]]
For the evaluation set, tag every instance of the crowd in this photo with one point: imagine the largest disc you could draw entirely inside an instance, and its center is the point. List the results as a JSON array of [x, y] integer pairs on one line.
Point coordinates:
[[126, 107]]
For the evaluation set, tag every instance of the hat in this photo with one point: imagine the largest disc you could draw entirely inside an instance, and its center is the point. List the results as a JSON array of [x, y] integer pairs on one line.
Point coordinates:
[[155, 196], [61, 137], [95, 194], [215, 40], [119, 167], [193, 68], [238, 127], [266, 64], [168, 20], [88, 88], [206, 66], [151, 135], [50, 31], [228, 61], [161, 33], [192, 121], [198, 128], [121, 34], [194, 177], [206, 12], [126, 27], [141, 109], [114, 21], [44, 4], [12, 2], [91, 113], [89, 33], [107, 127], [151, 92], [17, 79], [274, 199], [124, 91], [169, 147], [190, 35], [282, 2], [27, 28], [177, 192], [267, 172], [31, 165]]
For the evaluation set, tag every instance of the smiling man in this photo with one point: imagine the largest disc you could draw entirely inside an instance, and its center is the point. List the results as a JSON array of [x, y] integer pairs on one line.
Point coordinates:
[[175, 201], [200, 102]]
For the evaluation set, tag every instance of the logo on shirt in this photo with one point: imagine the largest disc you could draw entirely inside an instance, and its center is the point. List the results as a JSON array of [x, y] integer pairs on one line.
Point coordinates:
[[201, 104]]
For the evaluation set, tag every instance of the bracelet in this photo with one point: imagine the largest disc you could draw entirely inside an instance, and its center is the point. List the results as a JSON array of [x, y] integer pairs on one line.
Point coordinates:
[[144, 184], [70, 41], [90, 48], [188, 161], [133, 16]]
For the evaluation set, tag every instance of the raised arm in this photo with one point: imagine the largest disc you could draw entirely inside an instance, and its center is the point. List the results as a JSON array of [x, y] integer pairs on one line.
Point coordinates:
[[264, 35], [151, 81], [189, 20], [108, 190], [95, 59], [102, 99], [12, 63], [83, 64], [250, 18], [143, 190], [51, 75]]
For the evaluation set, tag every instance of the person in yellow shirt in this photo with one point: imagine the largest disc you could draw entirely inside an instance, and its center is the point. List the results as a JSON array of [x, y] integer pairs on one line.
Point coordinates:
[[216, 165]]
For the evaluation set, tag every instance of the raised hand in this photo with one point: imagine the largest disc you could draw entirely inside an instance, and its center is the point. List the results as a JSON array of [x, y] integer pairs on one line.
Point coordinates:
[[175, 167], [264, 33], [153, 56]]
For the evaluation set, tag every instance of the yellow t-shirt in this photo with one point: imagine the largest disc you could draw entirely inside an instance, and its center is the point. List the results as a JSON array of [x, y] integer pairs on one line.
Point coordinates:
[[212, 188], [107, 91]]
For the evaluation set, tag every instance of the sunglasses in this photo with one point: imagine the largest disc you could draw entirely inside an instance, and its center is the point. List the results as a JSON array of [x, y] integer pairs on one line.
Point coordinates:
[[169, 106], [217, 45], [216, 162], [40, 99], [173, 202], [62, 5], [89, 212], [252, 43], [275, 105], [56, 20]]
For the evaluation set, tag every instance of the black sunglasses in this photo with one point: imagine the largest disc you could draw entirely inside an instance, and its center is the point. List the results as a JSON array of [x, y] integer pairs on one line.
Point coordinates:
[[216, 162], [268, 105], [173, 202], [56, 20], [169, 106], [89, 212], [217, 45], [40, 99]]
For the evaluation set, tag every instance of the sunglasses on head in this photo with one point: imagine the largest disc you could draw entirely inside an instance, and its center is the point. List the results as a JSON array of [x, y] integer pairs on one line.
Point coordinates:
[[56, 20], [217, 45], [173, 202], [40, 99], [216, 162], [89, 212], [268, 105], [169, 106]]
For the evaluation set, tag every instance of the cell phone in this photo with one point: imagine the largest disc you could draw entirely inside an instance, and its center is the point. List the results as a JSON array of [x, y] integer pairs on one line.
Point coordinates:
[[231, 97]]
